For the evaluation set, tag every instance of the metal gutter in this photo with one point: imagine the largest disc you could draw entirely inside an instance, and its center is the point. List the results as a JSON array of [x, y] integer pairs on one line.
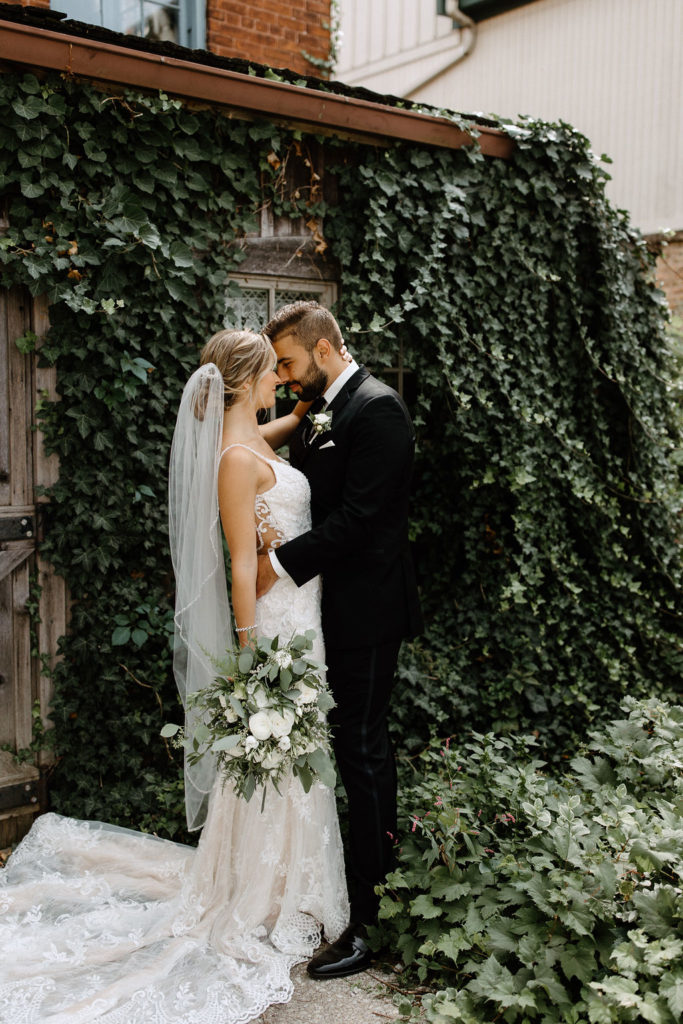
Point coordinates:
[[102, 62]]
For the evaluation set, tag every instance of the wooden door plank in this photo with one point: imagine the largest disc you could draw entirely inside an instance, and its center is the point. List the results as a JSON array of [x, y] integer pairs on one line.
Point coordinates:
[[23, 689], [53, 613], [6, 662], [4, 402], [21, 411]]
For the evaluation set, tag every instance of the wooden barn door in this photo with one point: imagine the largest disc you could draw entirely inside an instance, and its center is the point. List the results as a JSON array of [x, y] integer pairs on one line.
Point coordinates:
[[23, 466]]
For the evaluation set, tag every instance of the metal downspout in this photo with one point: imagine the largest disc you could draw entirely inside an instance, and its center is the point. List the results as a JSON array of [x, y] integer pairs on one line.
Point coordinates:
[[463, 21]]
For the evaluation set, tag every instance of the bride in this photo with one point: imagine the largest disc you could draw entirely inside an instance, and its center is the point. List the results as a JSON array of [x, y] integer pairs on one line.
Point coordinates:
[[100, 923]]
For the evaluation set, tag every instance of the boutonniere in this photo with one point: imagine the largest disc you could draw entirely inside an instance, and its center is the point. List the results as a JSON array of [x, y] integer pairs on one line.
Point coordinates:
[[321, 422]]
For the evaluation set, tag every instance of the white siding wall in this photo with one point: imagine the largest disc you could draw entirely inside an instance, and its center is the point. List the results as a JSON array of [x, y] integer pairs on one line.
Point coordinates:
[[612, 68]]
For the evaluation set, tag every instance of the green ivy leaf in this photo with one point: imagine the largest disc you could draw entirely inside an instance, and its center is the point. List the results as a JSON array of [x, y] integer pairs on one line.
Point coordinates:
[[424, 906], [28, 108], [120, 636]]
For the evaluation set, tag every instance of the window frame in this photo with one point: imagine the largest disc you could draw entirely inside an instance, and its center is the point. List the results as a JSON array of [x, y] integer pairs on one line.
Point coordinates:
[[324, 291]]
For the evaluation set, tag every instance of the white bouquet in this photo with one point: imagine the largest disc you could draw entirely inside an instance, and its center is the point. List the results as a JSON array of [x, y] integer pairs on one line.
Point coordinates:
[[264, 716]]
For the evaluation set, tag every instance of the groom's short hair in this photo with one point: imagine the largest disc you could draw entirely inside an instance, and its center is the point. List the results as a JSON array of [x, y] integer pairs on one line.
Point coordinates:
[[307, 322]]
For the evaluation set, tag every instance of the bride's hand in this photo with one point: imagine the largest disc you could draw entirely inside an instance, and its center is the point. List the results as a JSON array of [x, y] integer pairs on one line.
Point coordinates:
[[345, 354], [267, 538]]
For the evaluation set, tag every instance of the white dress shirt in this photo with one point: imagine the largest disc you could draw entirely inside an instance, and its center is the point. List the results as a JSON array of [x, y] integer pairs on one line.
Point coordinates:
[[329, 395]]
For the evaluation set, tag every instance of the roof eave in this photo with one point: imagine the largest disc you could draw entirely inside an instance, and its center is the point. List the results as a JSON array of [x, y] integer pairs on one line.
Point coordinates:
[[32, 47]]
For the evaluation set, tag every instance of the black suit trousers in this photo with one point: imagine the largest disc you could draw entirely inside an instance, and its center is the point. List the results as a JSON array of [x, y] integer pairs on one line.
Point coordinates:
[[361, 681]]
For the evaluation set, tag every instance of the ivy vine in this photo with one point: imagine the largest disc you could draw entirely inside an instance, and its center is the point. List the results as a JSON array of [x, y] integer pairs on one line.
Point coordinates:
[[523, 308]]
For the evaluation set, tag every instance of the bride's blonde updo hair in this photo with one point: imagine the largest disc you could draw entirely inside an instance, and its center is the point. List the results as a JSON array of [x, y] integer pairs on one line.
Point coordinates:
[[242, 357]]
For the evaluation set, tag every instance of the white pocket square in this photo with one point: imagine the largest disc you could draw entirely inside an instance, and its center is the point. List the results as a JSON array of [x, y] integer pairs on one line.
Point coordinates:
[[328, 444]]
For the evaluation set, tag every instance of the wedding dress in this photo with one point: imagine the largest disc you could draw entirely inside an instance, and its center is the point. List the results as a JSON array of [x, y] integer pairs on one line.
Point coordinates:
[[104, 924]]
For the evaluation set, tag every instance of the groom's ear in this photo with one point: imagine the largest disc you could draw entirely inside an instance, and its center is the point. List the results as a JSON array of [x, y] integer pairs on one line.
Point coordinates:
[[323, 348]]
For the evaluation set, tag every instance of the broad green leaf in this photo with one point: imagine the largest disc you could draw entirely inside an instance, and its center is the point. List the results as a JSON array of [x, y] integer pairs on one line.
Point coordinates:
[[28, 107], [424, 906], [246, 660], [321, 763], [201, 733], [31, 189], [325, 701]]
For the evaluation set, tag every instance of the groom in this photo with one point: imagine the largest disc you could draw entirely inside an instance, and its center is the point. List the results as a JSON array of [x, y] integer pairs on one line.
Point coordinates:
[[359, 468]]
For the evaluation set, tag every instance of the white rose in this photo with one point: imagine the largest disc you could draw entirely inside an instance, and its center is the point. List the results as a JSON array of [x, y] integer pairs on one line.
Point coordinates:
[[282, 658], [307, 694], [260, 725], [281, 724], [260, 697], [272, 759], [250, 743], [321, 421], [230, 715], [222, 701], [284, 744]]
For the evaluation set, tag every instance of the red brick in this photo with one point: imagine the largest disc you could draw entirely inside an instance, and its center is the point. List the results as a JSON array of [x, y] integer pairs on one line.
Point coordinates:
[[269, 31]]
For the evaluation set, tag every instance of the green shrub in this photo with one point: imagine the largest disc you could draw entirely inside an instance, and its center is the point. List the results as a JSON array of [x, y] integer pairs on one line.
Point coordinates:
[[534, 897]]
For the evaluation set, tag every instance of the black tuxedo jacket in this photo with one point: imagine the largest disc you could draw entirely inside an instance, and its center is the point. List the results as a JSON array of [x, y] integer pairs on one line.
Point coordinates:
[[359, 472]]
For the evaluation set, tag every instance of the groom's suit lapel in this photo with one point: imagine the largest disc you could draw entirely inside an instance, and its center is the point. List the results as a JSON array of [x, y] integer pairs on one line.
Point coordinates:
[[347, 392]]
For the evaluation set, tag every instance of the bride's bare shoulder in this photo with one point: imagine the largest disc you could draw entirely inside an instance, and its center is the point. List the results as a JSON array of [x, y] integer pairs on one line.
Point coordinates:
[[243, 466]]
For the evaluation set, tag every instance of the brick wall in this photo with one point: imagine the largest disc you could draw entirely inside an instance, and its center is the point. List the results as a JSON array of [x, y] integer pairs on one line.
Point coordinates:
[[273, 32]]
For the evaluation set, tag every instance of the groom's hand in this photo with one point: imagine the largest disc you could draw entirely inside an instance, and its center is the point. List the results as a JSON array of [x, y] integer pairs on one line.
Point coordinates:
[[265, 575]]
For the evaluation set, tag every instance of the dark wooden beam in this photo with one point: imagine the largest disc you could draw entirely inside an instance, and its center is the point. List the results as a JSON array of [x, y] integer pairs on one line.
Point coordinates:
[[36, 48]]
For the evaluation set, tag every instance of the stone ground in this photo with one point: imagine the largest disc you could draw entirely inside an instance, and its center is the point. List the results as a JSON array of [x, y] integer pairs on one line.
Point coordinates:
[[361, 999]]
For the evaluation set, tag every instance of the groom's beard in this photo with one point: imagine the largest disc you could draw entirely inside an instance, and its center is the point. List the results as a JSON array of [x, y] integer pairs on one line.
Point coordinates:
[[312, 383]]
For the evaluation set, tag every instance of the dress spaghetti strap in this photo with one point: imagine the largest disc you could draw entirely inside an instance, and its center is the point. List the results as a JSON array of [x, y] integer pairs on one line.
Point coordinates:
[[238, 444]]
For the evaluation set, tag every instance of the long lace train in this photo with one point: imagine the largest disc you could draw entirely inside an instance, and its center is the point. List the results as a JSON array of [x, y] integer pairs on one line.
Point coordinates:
[[100, 923]]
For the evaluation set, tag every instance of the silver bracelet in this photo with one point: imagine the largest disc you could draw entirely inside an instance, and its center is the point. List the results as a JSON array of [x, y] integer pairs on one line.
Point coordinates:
[[244, 629]]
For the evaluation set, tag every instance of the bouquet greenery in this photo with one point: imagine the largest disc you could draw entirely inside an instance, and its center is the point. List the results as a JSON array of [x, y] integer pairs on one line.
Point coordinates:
[[264, 716]]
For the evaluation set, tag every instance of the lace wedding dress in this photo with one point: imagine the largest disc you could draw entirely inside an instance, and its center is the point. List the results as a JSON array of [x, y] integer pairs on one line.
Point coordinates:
[[99, 923]]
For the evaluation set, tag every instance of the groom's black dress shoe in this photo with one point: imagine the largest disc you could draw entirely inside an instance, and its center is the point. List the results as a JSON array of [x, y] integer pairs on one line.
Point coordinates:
[[350, 954]]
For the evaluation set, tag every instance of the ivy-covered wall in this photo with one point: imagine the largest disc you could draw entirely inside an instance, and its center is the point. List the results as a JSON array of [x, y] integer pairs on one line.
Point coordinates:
[[547, 484]]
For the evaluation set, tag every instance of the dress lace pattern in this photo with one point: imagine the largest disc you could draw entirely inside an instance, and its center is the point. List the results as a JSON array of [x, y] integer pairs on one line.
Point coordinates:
[[99, 923]]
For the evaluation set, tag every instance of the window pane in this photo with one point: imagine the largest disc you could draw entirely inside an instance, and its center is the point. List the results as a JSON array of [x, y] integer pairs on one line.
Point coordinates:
[[250, 309], [121, 16], [282, 298], [82, 10], [161, 22]]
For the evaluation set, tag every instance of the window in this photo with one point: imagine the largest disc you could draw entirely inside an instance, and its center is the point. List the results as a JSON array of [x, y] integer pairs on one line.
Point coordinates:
[[176, 21], [255, 300]]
